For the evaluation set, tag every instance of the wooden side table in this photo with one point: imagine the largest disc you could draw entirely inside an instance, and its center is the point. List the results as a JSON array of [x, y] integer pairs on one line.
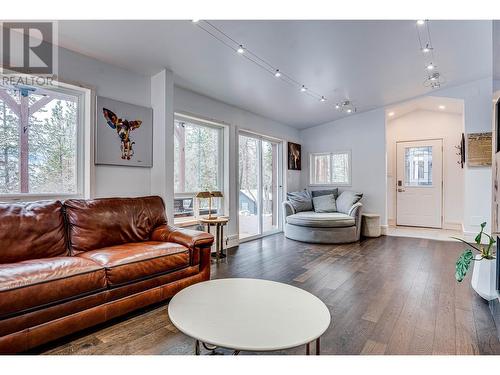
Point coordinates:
[[219, 224]]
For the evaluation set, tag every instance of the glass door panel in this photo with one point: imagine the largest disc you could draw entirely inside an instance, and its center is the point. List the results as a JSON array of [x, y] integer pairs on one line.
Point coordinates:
[[249, 194], [269, 186], [259, 185]]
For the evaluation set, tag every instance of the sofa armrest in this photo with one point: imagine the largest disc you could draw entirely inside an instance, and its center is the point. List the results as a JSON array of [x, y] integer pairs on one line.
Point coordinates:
[[187, 237], [288, 209], [355, 211]]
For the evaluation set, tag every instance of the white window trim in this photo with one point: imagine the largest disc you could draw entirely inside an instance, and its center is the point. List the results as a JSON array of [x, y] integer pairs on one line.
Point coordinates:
[[330, 153], [85, 150]]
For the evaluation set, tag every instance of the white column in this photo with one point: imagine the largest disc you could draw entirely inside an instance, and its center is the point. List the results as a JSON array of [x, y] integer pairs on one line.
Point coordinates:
[[162, 173]]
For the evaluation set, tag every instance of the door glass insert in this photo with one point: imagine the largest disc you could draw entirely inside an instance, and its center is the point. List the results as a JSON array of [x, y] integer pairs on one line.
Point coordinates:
[[418, 166]]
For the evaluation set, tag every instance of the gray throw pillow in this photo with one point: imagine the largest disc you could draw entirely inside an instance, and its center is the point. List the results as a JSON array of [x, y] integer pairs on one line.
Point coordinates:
[[319, 193], [324, 203], [346, 200], [300, 200]]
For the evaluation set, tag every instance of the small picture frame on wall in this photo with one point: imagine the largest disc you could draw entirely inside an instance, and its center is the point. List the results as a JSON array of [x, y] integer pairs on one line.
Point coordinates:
[[294, 156]]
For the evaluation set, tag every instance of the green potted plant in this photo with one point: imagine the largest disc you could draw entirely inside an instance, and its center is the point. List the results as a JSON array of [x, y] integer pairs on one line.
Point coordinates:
[[484, 272]]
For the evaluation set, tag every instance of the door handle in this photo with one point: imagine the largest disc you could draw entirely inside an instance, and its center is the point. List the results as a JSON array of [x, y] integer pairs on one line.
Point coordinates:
[[401, 190]]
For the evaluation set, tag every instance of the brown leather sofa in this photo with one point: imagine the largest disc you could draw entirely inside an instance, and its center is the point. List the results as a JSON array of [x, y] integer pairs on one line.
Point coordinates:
[[66, 266]]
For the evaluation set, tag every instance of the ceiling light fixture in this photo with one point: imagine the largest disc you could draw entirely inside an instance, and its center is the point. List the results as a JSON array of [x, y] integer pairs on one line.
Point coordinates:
[[260, 61], [195, 21], [427, 48], [434, 79], [346, 106], [441, 107], [390, 114]]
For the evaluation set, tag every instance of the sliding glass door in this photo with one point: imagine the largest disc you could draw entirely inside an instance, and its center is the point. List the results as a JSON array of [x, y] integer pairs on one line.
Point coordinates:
[[259, 185]]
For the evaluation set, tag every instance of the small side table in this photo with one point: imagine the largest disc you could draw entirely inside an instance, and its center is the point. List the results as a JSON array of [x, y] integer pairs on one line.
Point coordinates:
[[370, 225], [219, 224]]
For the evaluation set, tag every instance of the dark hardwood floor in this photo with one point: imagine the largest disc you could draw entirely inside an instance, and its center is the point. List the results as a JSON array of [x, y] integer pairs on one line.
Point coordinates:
[[390, 295]]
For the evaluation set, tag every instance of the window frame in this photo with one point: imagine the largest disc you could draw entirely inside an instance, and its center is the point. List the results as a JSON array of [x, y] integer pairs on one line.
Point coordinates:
[[222, 128], [84, 148], [312, 172]]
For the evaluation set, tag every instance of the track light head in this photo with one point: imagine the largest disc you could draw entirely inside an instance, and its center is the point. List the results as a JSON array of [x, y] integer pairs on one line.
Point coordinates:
[[277, 73], [323, 99], [303, 89], [421, 22], [240, 49], [431, 66]]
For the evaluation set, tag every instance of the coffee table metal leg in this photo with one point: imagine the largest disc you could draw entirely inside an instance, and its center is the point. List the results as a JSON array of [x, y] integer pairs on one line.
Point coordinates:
[[318, 349], [197, 347], [308, 348]]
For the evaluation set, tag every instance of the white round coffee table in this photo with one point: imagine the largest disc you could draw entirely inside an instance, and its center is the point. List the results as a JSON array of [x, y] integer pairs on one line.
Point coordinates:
[[249, 314]]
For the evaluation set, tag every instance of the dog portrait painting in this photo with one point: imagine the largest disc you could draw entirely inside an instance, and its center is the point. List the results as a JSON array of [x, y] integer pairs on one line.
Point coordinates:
[[124, 133], [294, 156]]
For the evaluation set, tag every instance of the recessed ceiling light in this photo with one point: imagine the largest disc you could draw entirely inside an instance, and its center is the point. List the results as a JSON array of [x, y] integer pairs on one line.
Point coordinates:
[[390, 114], [323, 99], [303, 88], [420, 22], [431, 66], [442, 107], [277, 73], [240, 49]]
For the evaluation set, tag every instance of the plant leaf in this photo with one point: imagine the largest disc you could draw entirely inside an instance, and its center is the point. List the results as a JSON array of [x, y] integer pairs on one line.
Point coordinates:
[[463, 264]]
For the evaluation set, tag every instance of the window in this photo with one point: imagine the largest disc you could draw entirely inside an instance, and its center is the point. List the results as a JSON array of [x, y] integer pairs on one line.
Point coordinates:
[[418, 166], [39, 141], [330, 168], [198, 155]]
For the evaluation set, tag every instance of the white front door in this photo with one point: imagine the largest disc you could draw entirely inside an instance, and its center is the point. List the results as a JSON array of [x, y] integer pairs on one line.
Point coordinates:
[[419, 183]]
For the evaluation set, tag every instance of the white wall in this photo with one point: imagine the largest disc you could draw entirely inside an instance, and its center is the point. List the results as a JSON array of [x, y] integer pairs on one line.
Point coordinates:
[[119, 84], [364, 135], [421, 125], [189, 102], [477, 97]]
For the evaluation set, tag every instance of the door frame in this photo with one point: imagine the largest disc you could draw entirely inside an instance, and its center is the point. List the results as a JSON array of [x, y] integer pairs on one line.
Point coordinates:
[[280, 178], [442, 181]]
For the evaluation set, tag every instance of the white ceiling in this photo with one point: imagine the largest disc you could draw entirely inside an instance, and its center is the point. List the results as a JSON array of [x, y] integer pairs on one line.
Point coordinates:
[[374, 63], [426, 103]]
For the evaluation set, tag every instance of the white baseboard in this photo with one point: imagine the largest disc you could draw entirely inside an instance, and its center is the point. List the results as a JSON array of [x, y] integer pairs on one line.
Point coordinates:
[[232, 241], [383, 229]]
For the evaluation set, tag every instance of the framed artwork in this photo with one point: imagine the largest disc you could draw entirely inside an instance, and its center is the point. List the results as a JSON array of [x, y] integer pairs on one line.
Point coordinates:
[[294, 156], [479, 149], [124, 134]]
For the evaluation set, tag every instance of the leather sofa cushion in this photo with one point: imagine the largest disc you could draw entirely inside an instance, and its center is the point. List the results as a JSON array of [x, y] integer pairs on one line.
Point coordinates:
[[31, 231], [135, 261], [38, 283], [95, 224], [321, 220]]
